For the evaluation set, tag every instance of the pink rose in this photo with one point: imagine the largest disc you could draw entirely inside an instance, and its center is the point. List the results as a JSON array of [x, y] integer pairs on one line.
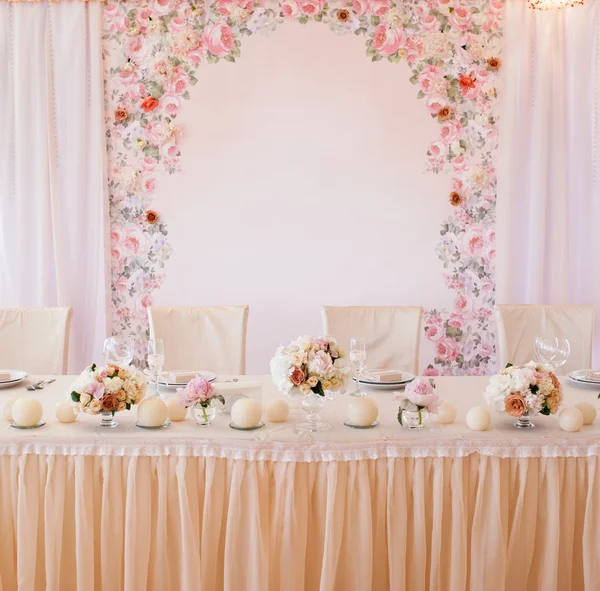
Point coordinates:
[[149, 184], [218, 39], [433, 333], [312, 7], [460, 164], [178, 84], [170, 105], [387, 41], [177, 24], [431, 371], [225, 7], [447, 349], [474, 240], [163, 7], [290, 8], [463, 304], [360, 6], [429, 77], [414, 50], [436, 102], [378, 7], [297, 376], [111, 9], [456, 321], [460, 18], [451, 131], [148, 164], [430, 23], [422, 393], [197, 390]]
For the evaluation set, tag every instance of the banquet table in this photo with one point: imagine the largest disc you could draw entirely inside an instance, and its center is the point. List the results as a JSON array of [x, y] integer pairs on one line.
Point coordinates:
[[208, 508]]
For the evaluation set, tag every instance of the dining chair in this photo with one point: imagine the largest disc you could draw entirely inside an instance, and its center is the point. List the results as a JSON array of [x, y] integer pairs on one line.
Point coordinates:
[[202, 337], [392, 333], [35, 340], [519, 325]]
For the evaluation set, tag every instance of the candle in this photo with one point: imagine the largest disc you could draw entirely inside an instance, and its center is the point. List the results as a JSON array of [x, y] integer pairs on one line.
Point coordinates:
[[175, 410], [246, 413], [478, 418], [7, 410], [588, 411], [362, 411], [27, 412], [446, 413], [65, 411], [152, 412], [570, 419], [277, 411]]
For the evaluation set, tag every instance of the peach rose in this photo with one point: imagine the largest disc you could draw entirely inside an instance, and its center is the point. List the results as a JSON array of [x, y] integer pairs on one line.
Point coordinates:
[[149, 104], [445, 113], [297, 377], [109, 403], [455, 198], [493, 63], [343, 15], [514, 405], [120, 115], [218, 39], [151, 217]]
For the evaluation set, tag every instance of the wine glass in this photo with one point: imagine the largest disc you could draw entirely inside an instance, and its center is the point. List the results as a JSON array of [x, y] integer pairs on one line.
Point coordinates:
[[118, 350], [358, 356], [553, 351], [562, 352], [156, 362]]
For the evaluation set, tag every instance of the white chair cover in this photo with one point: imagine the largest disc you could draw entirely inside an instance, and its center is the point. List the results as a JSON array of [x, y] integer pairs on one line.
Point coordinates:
[[207, 337], [519, 325], [35, 340], [392, 333]]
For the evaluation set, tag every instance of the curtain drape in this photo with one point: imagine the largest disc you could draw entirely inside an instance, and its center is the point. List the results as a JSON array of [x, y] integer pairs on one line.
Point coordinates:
[[548, 215], [53, 206]]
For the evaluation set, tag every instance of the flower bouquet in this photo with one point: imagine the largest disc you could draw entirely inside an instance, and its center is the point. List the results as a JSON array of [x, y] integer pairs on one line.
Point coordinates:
[[420, 399], [200, 394], [106, 390], [310, 367], [523, 390]]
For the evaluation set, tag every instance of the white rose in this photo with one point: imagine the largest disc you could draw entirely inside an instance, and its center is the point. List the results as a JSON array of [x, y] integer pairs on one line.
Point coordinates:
[[95, 406], [85, 398]]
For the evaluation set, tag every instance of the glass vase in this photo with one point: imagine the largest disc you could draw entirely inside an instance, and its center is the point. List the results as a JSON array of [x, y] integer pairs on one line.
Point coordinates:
[[204, 415], [108, 419], [412, 416], [524, 422], [313, 404]]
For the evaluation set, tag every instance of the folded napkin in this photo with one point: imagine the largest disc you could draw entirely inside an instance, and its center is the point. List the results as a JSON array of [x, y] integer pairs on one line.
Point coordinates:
[[181, 377], [384, 375], [5, 376]]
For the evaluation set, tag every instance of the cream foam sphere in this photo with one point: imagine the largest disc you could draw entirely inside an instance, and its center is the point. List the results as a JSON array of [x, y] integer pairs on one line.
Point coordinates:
[[27, 412], [152, 412], [478, 418], [176, 411], [362, 411], [7, 410], [588, 411], [570, 419], [277, 411], [246, 413], [446, 413], [65, 412]]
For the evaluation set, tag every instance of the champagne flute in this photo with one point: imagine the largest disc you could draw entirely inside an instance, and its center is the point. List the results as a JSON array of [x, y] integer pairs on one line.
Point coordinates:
[[118, 350], [156, 362], [358, 357]]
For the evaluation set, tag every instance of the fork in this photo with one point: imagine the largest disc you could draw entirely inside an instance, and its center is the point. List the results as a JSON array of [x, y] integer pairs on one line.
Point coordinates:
[[34, 386], [40, 385]]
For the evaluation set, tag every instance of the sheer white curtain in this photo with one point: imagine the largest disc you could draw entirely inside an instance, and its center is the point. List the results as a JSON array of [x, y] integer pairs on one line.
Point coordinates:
[[548, 224], [53, 206]]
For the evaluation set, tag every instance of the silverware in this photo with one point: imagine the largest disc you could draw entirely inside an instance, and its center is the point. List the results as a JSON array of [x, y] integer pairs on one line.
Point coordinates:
[[41, 385], [34, 386]]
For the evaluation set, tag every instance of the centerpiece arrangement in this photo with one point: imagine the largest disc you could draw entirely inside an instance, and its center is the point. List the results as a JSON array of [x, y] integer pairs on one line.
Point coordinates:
[[524, 390], [200, 394], [311, 367], [107, 390], [420, 399]]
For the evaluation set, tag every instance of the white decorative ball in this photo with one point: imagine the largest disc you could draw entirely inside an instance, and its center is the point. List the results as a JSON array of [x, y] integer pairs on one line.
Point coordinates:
[[246, 413], [152, 412], [27, 412], [588, 411], [478, 418], [277, 411], [570, 419], [176, 411], [362, 411], [446, 413], [7, 410], [65, 411]]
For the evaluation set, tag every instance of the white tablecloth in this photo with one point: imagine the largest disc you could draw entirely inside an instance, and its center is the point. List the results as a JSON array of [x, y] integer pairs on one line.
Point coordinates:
[[211, 508]]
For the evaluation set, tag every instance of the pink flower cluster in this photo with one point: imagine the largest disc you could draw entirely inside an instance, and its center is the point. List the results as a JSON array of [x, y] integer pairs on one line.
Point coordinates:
[[198, 391], [423, 395]]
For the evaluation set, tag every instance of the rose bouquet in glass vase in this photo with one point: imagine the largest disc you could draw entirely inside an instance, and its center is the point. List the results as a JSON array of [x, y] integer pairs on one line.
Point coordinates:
[[310, 367], [201, 395], [107, 390], [524, 390], [420, 399]]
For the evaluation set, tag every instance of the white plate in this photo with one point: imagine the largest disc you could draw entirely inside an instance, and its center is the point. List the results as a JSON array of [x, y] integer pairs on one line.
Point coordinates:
[[582, 384], [207, 375], [16, 376], [406, 377], [581, 376], [383, 385]]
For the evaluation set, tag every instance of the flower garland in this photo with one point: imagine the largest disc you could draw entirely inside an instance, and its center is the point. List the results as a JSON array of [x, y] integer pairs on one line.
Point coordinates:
[[152, 51]]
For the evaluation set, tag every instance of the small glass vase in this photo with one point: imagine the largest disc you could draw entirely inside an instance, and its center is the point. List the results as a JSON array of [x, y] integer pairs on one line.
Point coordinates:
[[204, 415], [524, 422], [108, 419], [313, 404], [412, 416]]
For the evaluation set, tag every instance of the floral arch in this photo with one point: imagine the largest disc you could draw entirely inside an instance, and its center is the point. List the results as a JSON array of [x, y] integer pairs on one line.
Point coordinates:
[[152, 51]]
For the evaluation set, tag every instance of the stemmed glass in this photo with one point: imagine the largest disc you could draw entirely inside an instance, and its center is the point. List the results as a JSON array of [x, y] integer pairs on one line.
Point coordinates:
[[156, 362], [118, 350], [358, 357], [553, 351]]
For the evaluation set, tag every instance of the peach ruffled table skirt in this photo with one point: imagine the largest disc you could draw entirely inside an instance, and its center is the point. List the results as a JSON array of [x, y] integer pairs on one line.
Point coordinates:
[[190, 508]]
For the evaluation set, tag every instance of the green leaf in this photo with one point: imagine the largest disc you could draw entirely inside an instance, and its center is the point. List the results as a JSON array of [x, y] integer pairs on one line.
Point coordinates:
[[420, 94], [230, 58], [508, 365], [193, 80], [128, 406], [318, 389], [375, 20], [93, 368], [545, 411], [400, 416], [221, 399], [235, 52], [186, 95], [75, 396], [376, 58]]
